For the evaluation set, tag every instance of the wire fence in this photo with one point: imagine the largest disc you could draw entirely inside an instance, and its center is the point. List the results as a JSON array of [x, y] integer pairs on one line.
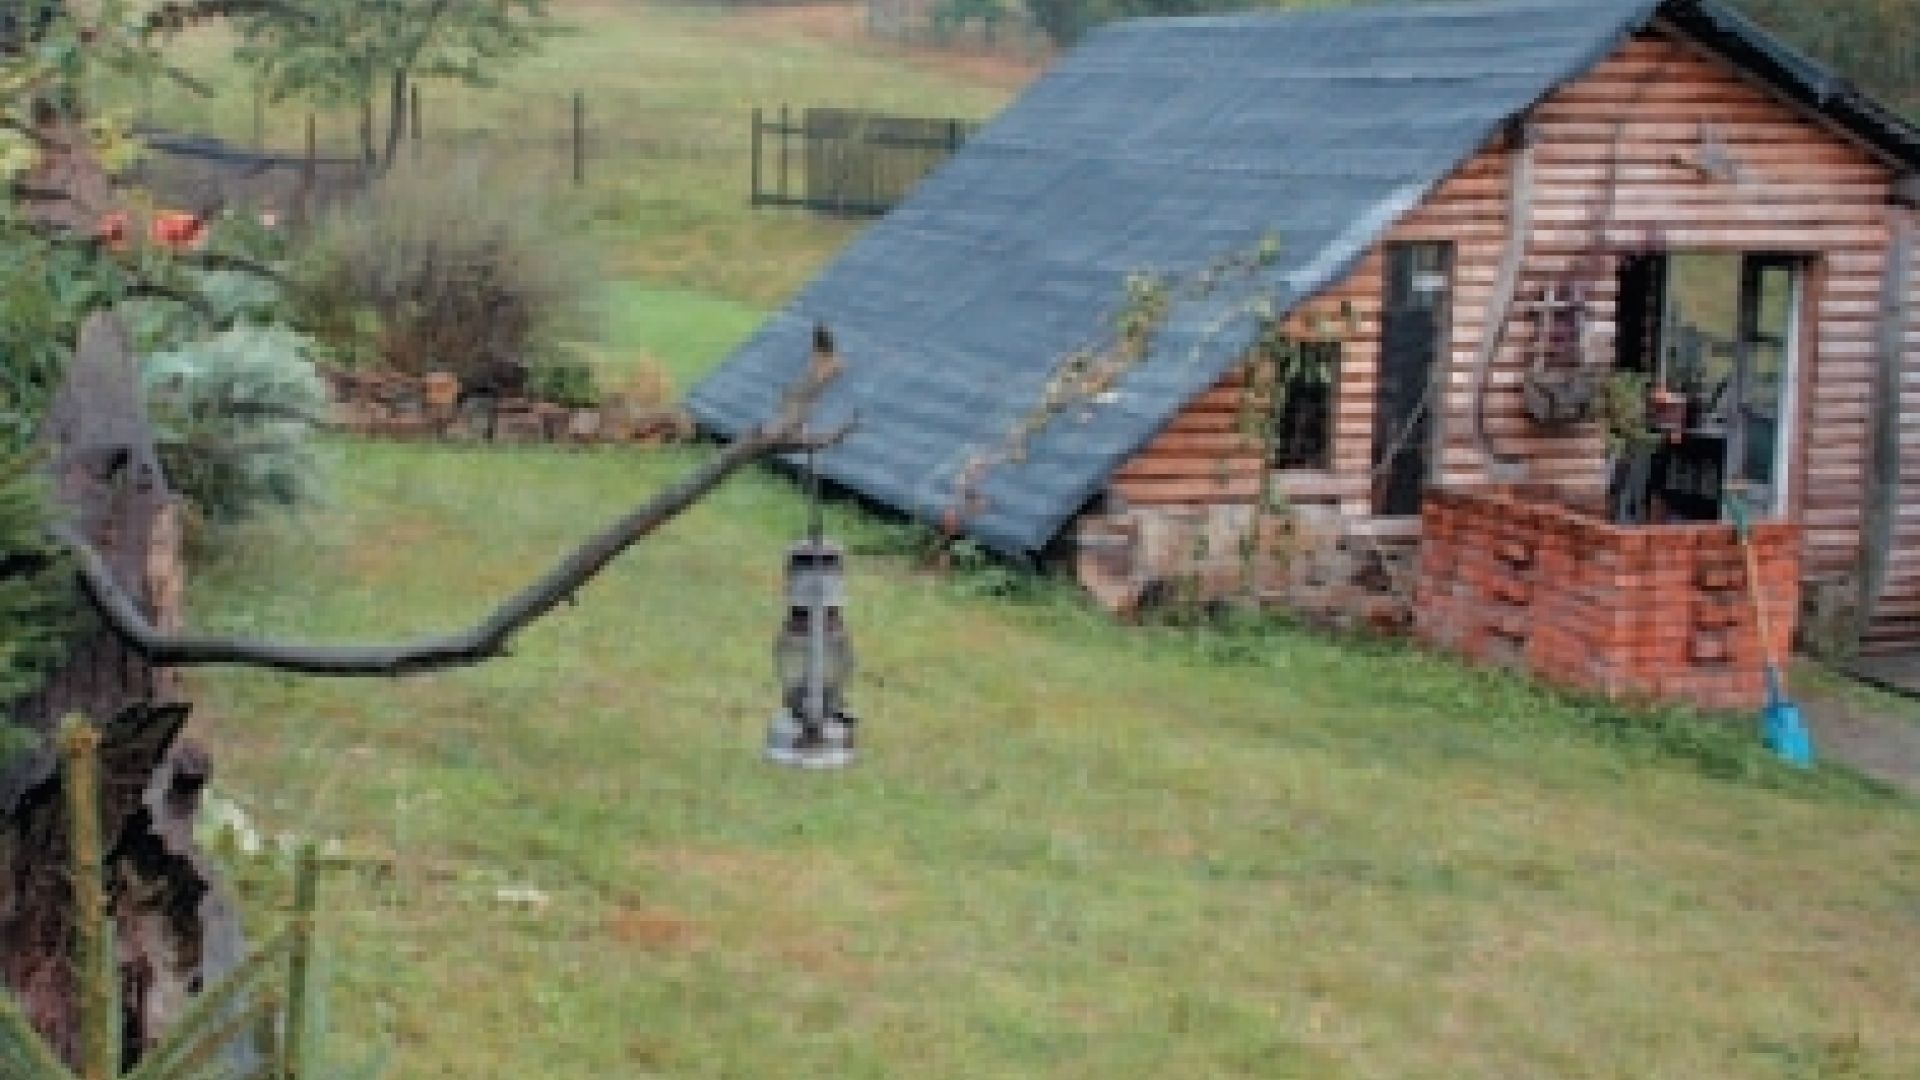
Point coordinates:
[[297, 163]]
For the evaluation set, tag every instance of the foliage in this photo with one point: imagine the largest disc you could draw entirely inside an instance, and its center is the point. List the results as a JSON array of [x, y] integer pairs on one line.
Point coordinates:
[[340, 52], [1065, 22], [446, 267], [232, 416], [46, 288], [564, 380], [950, 15], [49, 283], [1623, 405], [37, 601], [1875, 42]]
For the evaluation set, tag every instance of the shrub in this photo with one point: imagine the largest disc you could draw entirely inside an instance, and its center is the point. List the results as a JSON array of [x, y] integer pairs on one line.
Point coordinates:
[[565, 381], [37, 599], [446, 268], [232, 417]]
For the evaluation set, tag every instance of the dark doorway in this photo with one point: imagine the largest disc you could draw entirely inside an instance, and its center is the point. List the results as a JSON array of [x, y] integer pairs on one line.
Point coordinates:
[[1413, 330]]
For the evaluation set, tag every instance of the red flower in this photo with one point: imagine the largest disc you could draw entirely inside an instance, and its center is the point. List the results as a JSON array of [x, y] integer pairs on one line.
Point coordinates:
[[178, 230], [112, 230]]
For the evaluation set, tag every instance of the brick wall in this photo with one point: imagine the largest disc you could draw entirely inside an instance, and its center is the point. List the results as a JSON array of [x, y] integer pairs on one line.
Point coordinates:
[[1516, 577]]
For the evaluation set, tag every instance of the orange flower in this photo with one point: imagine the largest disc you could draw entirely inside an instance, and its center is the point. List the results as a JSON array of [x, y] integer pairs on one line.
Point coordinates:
[[112, 230], [178, 230]]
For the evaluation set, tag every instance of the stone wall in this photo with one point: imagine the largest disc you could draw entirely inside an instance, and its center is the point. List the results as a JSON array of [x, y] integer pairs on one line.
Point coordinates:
[[1515, 577], [389, 405], [1304, 558]]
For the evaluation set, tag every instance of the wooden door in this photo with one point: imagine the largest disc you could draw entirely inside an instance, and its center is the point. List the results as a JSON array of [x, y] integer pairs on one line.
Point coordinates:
[[1413, 330]]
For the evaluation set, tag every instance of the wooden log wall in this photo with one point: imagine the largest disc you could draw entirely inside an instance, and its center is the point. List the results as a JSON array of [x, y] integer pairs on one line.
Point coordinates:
[[1626, 160], [1895, 613]]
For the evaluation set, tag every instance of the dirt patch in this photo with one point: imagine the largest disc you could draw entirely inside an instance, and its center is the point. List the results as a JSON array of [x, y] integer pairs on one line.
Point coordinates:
[[1876, 733], [845, 25], [654, 929]]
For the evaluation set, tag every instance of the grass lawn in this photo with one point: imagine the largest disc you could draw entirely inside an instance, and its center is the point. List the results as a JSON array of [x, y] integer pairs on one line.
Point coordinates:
[[1073, 850], [684, 332]]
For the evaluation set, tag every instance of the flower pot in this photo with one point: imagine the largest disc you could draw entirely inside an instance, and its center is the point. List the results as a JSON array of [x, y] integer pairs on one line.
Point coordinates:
[[1666, 411]]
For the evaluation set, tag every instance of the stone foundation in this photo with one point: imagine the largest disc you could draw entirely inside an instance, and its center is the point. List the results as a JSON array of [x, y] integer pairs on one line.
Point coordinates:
[[1516, 577], [1305, 559]]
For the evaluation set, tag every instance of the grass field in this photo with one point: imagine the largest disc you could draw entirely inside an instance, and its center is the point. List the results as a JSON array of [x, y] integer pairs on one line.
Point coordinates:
[[1074, 850], [669, 95]]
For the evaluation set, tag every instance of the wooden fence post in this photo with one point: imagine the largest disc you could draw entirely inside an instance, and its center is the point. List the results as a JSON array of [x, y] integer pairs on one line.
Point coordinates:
[[413, 118], [93, 955], [784, 128], [306, 174], [753, 169], [579, 138]]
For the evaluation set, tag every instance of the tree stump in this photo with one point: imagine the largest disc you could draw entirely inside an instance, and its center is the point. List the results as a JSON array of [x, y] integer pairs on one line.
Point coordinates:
[[175, 926]]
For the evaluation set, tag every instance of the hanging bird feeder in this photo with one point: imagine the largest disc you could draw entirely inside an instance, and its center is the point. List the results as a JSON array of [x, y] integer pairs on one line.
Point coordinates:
[[812, 654]]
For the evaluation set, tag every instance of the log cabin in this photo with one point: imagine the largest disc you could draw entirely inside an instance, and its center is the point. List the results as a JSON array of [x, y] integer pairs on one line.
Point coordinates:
[[1477, 318]]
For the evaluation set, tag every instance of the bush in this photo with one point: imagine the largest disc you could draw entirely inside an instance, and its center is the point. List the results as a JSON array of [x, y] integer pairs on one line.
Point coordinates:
[[37, 598], [233, 414], [445, 267], [564, 381]]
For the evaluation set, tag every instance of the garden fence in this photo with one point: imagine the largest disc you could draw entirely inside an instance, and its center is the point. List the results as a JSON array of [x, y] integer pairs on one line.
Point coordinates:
[[846, 161]]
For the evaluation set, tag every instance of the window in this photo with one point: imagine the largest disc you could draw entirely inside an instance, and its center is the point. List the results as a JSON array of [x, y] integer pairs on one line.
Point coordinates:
[[1296, 378], [1712, 335]]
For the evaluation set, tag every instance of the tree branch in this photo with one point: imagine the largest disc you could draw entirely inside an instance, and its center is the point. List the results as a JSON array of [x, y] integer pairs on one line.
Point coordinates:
[[490, 637], [220, 260]]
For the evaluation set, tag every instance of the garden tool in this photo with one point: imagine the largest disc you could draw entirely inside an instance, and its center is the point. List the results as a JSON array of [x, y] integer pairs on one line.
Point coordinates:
[[1781, 728]]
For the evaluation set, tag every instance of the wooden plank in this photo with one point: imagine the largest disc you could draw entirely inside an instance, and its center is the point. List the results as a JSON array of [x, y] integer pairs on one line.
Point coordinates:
[[1191, 468], [1665, 170], [1178, 492], [1176, 443], [1799, 154], [1754, 238]]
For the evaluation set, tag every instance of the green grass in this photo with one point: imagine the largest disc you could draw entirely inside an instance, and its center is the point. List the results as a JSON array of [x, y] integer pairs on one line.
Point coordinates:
[[1073, 849], [685, 332]]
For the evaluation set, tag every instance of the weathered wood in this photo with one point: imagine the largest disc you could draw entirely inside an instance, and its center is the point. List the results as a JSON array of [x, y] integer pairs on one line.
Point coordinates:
[[1174, 492], [1883, 495], [174, 923], [1617, 169]]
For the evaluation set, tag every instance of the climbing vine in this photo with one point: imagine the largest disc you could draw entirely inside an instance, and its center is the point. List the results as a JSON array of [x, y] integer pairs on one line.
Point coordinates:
[[1082, 379]]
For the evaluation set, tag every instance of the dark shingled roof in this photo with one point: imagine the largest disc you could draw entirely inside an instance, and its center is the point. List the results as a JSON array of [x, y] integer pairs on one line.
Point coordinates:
[[1161, 145]]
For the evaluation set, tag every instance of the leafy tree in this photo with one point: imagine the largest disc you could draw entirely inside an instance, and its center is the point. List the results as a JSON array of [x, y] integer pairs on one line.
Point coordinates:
[[340, 53], [1875, 42], [1066, 21]]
